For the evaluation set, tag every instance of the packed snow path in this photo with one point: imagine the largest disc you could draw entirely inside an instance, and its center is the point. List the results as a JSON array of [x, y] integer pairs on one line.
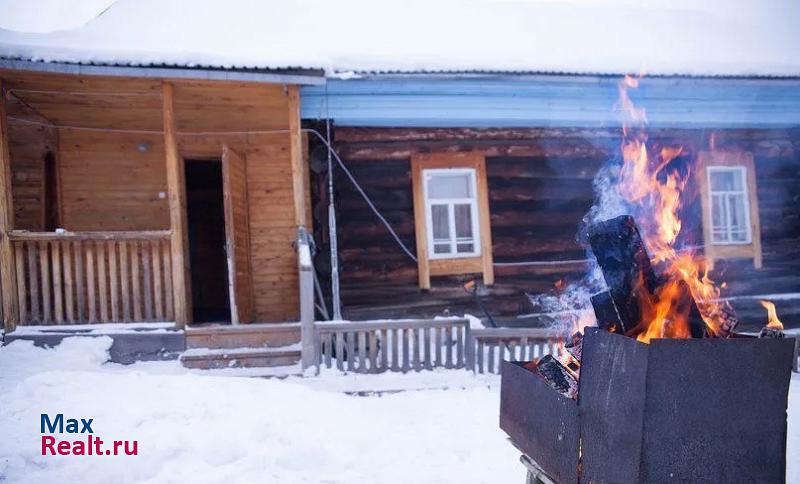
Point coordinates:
[[209, 429]]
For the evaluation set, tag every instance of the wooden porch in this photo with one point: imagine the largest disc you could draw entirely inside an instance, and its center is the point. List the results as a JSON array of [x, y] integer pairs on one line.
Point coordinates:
[[93, 217]]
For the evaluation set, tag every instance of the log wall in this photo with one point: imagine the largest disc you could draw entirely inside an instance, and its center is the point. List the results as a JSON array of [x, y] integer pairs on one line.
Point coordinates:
[[540, 187]]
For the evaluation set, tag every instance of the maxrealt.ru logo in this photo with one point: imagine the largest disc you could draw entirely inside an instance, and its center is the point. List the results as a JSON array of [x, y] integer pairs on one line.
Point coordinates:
[[91, 445]]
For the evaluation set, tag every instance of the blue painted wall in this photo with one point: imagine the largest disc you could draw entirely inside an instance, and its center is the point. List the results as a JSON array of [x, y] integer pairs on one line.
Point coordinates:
[[551, 101]]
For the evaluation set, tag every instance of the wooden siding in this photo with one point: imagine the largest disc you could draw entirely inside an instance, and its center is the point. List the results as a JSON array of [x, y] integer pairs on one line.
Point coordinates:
[[29, 146], [248, 107], [540, 187], [107, 183]]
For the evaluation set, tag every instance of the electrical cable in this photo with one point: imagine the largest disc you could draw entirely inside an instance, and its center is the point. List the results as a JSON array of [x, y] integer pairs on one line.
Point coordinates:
[[331, 151]]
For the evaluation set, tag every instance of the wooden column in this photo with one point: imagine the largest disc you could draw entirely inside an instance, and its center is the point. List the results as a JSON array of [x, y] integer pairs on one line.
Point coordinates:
[[179, 239], [299, 171], [8, 284]]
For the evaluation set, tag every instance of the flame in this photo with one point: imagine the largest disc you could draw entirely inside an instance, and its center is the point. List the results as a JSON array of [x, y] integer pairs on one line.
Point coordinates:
[[772, 316], [655, 189]]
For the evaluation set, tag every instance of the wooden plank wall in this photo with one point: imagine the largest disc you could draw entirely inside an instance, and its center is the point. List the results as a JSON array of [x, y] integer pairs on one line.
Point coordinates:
[[269, 178], [108, 183], [540, 187], [28, 145]]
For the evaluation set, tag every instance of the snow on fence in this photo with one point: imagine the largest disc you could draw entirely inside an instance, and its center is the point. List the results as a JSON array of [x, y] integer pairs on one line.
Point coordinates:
[[402, 345]]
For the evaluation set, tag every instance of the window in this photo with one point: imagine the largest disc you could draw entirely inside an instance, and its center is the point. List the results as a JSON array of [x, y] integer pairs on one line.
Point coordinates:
[[451, 216], [731, 227], [730, 206], [451, 209]]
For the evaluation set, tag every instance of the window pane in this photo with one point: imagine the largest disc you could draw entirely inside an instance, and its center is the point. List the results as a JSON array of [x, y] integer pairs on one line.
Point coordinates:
[[440, 223], [739, 236], [465, 248], [450, 186], [736, 209], [463, 214], [726, 180], [441, 248], [717, 212]]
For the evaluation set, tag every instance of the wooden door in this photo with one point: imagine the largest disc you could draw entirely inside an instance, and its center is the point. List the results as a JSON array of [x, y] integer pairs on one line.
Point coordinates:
[[237, 235]]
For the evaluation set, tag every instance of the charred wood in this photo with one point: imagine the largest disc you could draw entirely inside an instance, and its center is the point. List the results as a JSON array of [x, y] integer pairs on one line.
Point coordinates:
[[605, 312], [622, 256], [575, 346], [771, 332], [557, 376]]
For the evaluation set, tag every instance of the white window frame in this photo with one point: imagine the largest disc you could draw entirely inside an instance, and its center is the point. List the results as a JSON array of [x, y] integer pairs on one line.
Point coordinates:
[[710, 170], [429, 173]]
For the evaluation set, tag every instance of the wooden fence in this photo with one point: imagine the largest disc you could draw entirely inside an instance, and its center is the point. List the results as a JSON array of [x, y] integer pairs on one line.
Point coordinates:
[[378, 346], [493, 345], [80, 277], [414, 345]]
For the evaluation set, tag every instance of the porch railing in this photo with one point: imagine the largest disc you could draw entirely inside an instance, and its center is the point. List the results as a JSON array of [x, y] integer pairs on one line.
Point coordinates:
[[88, 277]]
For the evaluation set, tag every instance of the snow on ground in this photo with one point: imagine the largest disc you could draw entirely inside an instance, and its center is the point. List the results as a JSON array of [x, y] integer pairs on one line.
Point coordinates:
[[208, 429]]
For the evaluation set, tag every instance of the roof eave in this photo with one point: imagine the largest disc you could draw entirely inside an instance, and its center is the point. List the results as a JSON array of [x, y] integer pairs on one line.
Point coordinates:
[[307, 77]]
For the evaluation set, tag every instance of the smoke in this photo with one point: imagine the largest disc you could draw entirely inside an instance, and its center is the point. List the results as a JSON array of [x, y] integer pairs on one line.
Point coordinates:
[[570, 308]]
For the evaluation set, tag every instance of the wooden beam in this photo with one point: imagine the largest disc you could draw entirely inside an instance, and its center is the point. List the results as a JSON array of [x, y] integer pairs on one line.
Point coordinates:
[[299, 171], [8, 284], [484, 220], [179, 239], [420, 230]]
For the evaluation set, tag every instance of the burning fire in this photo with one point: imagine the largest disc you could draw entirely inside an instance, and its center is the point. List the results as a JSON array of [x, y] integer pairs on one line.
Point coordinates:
[[772, 316], [655, 189]]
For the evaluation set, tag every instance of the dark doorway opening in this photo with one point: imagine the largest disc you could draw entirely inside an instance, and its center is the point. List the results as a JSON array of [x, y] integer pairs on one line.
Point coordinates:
[[206, 227]]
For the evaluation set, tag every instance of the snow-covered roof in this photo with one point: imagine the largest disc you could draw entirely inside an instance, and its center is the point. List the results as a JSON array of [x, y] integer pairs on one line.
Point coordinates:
[[659, 37]]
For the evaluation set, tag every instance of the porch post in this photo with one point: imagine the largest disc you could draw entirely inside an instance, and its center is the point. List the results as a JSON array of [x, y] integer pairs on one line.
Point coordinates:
[[305, 267], [7, 272], [299, 173], [176, 188]]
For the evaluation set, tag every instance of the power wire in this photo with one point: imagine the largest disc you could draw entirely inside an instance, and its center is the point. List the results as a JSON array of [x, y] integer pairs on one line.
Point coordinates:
[[331, 152]]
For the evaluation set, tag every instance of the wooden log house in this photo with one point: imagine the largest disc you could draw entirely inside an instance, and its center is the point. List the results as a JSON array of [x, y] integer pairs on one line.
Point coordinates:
[[147, 178], [141, 195], [538, 143]]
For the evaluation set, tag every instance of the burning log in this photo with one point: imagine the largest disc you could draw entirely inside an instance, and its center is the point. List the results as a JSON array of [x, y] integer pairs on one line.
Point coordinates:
[[622, 256], [697, 326], [726, 316], [605, 312], [634, 288], [575, 346], [774, 327], [557, 376]]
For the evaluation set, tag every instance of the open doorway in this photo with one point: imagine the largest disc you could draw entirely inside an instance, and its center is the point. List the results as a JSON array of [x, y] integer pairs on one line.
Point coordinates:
[[206, 229]]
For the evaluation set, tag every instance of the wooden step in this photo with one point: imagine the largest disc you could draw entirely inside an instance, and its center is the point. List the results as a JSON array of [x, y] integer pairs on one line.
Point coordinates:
[[260, 335], [204, 358]]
